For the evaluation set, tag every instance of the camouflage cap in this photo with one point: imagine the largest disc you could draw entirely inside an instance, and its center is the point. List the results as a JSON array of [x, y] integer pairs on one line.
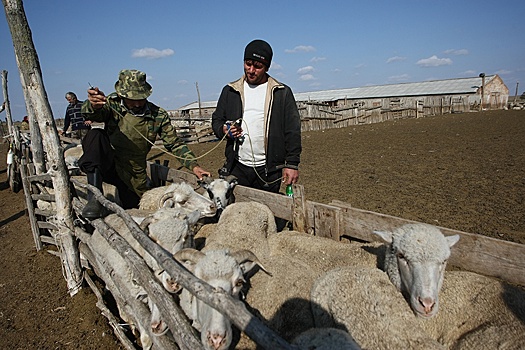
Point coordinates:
[[132, 84]]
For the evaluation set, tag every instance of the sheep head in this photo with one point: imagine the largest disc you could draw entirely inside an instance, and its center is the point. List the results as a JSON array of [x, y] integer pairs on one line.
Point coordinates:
[[220, 191], [182, 195], [170, 228], [222, 270], [415, 261]]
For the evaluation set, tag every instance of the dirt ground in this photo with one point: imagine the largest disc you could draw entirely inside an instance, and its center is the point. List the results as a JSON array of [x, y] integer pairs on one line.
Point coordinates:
[[462, 171]]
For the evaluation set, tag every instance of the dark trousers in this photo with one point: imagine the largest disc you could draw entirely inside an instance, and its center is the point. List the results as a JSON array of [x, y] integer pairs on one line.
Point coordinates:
[[256, 178], [98, 154]]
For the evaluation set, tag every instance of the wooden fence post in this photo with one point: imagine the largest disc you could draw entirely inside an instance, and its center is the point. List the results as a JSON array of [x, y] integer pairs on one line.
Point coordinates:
[[36, 101]]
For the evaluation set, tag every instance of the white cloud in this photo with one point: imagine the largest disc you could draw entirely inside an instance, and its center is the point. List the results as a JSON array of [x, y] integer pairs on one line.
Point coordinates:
[[317, 59], [300, 48], [395, 59], [434, 61], [182, 82], [276, 66], [398, 78], [306, 77], [503, 72], [359, 66], [305, 70], [151, 53], [468, 73], [456, 52]]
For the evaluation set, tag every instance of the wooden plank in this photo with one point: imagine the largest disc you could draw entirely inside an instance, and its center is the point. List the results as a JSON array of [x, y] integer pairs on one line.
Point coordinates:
[[280, 205], [300, 219], [326, 221], [43, 196], [481, 254], [47, 225], [48, 240]]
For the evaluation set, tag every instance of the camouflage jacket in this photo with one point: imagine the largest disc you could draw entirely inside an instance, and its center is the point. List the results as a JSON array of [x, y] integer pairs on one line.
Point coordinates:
[[133, 136]]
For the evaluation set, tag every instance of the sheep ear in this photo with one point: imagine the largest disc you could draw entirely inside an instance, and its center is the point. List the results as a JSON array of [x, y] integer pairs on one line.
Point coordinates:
[[205, 182], [232, 180], [385, 236], [451, 240], [189, 257], [248, 261]]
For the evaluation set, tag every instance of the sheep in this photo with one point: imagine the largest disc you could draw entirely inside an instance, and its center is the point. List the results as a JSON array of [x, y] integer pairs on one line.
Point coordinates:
[[415, 260], [170, 229], [296, 258], [221, 269], [220, 191], [177, 195], [363, 300], [364, 297], [476, 311], [72, 154]]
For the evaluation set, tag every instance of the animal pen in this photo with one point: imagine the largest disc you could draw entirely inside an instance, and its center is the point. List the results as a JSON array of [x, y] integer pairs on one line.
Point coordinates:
[[44, 177], [336, 220]]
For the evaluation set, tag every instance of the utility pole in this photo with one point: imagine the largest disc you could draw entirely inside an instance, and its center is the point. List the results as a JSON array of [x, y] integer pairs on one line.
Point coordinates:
[[482, 76], [516, 94]]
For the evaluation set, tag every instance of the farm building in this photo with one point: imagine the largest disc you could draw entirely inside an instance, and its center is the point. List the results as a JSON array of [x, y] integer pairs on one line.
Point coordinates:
[[372, 104]]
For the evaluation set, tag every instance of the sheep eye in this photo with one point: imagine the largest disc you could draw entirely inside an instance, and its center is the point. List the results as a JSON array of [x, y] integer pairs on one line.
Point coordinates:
[[239, 283]]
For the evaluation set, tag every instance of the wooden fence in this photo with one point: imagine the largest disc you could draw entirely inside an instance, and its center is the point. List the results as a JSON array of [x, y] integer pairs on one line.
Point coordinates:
[[340, 114], [336, 220]]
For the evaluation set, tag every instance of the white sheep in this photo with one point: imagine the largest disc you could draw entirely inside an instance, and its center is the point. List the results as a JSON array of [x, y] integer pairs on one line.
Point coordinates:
[[415, 260], [476, 311], [177, 195], [72, 154], [168, 227], [363, 300], [296, 258], [220, 191], [221, 269]]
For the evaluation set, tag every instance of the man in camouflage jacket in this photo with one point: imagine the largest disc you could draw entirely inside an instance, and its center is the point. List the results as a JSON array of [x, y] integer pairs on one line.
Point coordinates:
[[117, 154]]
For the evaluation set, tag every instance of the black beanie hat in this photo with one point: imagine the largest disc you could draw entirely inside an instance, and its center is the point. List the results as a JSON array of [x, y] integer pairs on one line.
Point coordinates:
[[259, 50]]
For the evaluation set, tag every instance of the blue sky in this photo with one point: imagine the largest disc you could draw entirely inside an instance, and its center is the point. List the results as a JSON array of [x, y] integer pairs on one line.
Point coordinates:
[[317, 45]]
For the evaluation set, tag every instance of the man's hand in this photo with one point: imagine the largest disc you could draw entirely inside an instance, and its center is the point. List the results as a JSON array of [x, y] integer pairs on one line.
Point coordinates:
[[232, 130], [96, 98], [200, 172], [290, 176]]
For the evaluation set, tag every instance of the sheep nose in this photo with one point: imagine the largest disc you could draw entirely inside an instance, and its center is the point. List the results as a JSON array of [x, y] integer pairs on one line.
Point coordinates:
[[158, 327], [216, 340], [427, 303]]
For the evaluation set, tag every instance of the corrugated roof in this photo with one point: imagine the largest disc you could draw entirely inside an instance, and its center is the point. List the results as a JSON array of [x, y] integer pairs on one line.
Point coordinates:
[[433, 87]]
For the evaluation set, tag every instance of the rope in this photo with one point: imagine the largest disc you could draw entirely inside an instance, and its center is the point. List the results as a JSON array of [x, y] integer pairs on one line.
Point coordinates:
[[211, 150]]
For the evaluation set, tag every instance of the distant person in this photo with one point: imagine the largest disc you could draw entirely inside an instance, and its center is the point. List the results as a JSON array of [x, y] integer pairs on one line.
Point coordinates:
[[117, 154], [79, 126], [25, 124], [260, 118]]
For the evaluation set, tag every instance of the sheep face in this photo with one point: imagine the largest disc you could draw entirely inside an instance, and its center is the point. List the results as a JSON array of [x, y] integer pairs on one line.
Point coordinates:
[[171, 229], [220, 191], [222, 270], [183, 196], [415, 262]]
